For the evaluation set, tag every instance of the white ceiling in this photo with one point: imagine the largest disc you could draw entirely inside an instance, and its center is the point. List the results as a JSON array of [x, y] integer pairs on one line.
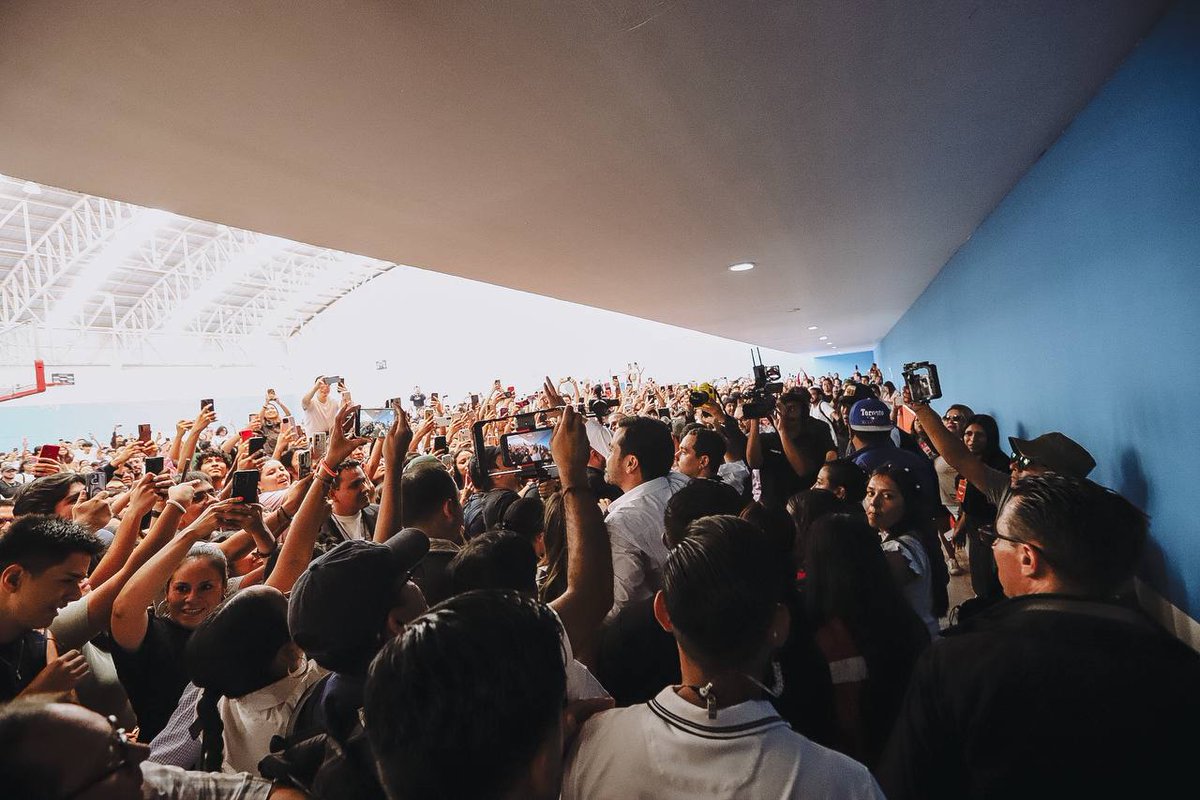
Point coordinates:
[[618, 153]]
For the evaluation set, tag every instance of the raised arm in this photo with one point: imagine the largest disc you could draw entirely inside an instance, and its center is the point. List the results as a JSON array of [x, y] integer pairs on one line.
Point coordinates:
[[394, 447], [306, 401], [951, 448], [753, 447], [192, 438], [147, 490], [297, 548], [129, 609], [589, 593]]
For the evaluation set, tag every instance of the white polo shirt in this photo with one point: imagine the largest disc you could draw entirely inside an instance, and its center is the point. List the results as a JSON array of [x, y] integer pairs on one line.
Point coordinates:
[[669, 748]]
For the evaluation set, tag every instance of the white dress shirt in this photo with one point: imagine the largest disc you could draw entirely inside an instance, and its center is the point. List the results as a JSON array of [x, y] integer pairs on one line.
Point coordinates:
[[252, 719], [635, 530]]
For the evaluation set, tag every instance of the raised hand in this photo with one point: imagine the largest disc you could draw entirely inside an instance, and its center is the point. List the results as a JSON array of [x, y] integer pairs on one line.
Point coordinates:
[[397, 441], [569, 446], [60, 675], [92, 514], [340, 446], [206, 417]]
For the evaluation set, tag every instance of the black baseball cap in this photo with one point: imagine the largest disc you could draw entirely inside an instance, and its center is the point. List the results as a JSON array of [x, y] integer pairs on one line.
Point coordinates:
[[1057, 452], [339, 605]]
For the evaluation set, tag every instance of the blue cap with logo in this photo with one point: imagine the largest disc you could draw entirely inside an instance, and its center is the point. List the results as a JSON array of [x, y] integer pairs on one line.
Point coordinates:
[[871, 415]]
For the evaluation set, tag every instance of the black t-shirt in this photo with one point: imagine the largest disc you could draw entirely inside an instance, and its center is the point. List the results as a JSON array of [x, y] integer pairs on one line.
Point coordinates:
[[418, 400], [20, 662], [155, 674], [779, 480]]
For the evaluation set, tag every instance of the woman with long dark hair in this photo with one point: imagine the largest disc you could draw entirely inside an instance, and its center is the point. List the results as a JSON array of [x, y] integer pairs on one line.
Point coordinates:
[[865, 627], [894, 508], [982, 437]]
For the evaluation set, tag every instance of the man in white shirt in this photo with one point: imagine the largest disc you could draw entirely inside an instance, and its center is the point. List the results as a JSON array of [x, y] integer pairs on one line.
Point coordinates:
[[716, 734], [353, 514], [640, 465], [320, 408]]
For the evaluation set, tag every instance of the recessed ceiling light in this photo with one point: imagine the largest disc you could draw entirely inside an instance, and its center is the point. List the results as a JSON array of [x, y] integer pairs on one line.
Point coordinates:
[[812, 327], [29, 187], [745, 266], [822, 338]]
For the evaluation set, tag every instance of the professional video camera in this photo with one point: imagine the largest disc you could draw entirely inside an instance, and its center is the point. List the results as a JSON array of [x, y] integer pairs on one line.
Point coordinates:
[[759, 401]]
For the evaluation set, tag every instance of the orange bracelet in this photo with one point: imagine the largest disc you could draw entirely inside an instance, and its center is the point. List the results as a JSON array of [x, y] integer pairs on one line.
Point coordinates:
[[325, 468]]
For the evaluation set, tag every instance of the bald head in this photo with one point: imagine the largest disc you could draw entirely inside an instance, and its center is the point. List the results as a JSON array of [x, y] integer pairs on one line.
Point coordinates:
[[50, 750]]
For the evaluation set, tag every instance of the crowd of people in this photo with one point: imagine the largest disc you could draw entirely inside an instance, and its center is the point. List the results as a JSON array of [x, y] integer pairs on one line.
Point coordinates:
[[707, 589]]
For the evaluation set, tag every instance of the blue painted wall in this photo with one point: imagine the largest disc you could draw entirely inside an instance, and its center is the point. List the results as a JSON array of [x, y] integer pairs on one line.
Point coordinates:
[[843, 363], [1076, 305]]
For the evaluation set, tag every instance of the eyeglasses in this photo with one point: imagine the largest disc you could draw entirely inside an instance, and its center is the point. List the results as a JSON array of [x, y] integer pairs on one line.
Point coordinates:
[[1020, 462], [123, 756], [953, 418], [988, 535]]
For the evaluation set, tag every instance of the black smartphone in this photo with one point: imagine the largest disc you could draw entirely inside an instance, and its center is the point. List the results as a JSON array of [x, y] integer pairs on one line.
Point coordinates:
[[95, 483], [154, 464], [255, 444], [245, 485], [433, 397], [474, 401], [664, 413], [439, 443], [208, 404], [144, 432], [303, 463]]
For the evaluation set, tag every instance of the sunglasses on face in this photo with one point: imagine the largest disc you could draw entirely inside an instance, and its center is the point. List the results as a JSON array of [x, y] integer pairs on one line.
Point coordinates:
[[954, 418], [1020, 462]]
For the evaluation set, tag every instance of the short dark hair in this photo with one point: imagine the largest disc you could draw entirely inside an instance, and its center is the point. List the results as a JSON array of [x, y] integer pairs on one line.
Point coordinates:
[[459, 704], [349, 463], [722, 584], [873, 438], [703, 497], [206, 454], [709, 443], [648, 439], [1091, 536], [41, 495], [480, 466], [423, 492], [850, 476], [39, 541], [495, 560]]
